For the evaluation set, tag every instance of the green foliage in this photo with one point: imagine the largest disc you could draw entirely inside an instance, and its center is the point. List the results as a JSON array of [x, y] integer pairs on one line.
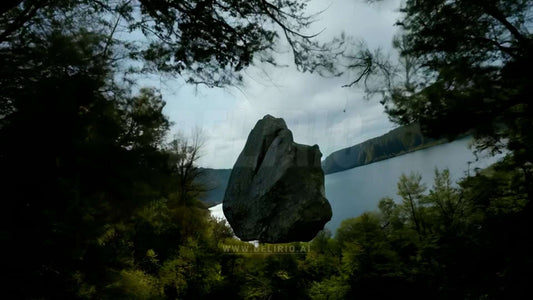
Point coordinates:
[[92, 192], [135, 284], [488, 84], [191, 274], [411, 191], [455, 252], [334, 288], [463, 67], [98, 205], [205, 42]]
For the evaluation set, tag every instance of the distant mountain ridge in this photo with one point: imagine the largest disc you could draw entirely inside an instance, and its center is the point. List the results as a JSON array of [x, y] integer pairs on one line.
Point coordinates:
[[396, 142], [215, 182]]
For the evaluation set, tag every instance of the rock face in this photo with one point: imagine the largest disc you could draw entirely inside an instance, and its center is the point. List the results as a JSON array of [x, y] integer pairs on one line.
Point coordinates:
[[275, 192]]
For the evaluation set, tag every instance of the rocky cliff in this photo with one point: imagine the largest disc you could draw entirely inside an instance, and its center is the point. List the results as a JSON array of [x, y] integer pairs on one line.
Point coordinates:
[[276, 189]]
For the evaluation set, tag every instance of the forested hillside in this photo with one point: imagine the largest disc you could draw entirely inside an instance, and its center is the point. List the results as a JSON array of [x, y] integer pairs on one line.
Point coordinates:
[[100, 201], [396, 142]]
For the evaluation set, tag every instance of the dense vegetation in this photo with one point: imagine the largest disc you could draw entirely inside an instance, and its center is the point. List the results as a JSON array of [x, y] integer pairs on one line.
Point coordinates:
[[466, 241], [100, 203]]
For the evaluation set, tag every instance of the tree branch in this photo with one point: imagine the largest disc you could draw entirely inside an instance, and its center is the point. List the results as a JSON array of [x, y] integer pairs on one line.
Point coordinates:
[[498, 15], [286, 29], [7, 5], [365, 72]]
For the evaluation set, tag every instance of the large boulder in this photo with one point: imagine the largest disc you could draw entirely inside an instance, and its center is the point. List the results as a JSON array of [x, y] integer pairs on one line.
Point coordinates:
[[275, 192]]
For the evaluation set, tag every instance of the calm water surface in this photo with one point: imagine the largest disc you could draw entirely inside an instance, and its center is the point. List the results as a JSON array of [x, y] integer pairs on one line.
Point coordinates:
[[354, 191]]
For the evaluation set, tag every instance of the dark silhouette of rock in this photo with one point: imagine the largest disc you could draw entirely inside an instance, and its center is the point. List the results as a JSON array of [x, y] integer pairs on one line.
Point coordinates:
[[275, 192]]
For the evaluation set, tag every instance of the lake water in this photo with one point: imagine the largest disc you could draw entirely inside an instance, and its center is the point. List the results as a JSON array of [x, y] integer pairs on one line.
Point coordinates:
[[354, 191]]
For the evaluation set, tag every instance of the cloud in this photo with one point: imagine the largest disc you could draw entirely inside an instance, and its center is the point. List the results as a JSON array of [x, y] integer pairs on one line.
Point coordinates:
[[316, 109]]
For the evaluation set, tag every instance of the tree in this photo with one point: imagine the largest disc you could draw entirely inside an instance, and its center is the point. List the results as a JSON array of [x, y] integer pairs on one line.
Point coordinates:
[[411, 191], [473, 62], [146, 126], [97, 204], [80, 157], [370, 259], [185, 153], [447, 200], [205, 42], [463, 67]]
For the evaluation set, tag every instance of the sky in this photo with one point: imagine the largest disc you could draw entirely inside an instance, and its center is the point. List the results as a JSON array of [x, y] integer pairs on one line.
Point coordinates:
[[316, 109]]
